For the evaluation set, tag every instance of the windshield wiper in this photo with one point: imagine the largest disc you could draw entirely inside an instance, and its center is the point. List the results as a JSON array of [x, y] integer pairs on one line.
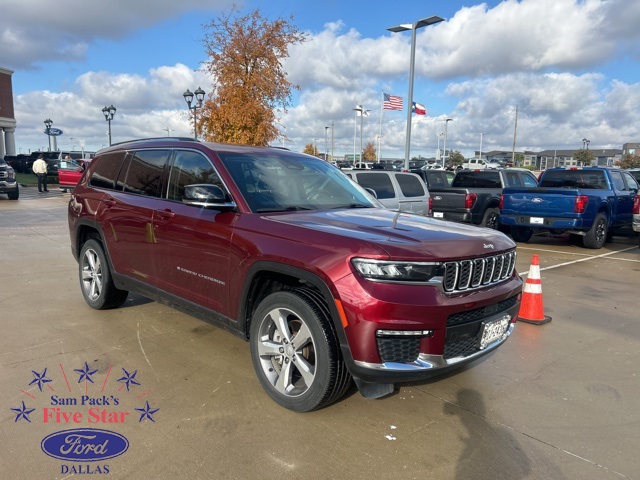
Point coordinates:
[[293, 208], [354, 205]]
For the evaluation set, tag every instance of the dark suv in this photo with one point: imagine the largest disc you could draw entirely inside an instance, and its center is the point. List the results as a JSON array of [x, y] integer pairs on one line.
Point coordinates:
[[8, 182], [284, 250]]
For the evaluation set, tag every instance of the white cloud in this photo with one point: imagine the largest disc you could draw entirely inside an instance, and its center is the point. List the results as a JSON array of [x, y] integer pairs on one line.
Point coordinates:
[[146, 106], [538, 54], [33, 31]]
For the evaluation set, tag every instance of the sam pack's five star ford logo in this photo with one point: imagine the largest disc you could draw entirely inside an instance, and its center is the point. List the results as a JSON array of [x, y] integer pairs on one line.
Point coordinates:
[[102, 403]]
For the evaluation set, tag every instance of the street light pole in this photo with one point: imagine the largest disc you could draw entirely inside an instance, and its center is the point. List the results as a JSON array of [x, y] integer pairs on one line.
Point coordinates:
[[326, 144], [413, 27], [439, 153], [48, 123], [109, 112], [188, 97], [446, 122], [480, 156]]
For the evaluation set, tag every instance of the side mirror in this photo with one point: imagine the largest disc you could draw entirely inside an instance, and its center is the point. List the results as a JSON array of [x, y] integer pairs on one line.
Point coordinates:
[[207, 196], [372, 192]]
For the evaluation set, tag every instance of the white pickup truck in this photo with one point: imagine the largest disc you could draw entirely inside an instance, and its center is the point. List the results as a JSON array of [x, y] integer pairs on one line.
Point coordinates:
[[479, 164]]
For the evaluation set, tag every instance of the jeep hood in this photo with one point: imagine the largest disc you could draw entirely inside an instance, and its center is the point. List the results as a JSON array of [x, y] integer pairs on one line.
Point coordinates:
[[401, 234]]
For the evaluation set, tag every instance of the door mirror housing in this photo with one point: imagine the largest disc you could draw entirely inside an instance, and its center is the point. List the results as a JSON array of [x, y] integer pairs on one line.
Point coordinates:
[[207, 196]]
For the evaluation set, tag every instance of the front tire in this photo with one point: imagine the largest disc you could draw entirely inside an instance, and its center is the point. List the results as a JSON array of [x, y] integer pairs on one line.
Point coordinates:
[[295, 352], [597, 235], [14, 195], [96, 281]]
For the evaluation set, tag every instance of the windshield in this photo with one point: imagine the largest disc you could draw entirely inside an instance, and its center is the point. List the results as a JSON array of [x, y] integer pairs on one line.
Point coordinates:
[[282, 181]]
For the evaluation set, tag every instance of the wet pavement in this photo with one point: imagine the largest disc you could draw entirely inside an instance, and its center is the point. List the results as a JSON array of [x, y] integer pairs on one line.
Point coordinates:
[[557, 401]]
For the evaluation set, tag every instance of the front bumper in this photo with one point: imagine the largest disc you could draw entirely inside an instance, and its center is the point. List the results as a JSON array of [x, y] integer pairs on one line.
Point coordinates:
[[8, 186], [451, 326]]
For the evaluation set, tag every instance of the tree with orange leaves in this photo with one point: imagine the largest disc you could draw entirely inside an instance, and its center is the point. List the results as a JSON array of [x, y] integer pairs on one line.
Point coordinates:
[[250, 84]]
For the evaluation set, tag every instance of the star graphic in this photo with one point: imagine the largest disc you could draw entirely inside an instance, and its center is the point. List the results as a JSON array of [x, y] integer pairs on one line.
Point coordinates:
[[23, 412], [40, 378], [85, 373], [146, 412], [129, 379]]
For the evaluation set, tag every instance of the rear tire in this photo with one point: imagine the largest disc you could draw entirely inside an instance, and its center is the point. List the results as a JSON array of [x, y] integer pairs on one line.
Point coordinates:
[[295, 352], [521, 234], [96, 281], [597, 235], [491, 218]]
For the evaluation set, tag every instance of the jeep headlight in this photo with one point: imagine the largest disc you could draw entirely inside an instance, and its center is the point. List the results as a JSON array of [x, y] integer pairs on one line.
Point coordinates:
[[404, 272]]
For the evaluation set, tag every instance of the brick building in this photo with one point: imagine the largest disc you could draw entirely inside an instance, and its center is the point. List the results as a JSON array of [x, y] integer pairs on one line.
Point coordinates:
[[7, 117]]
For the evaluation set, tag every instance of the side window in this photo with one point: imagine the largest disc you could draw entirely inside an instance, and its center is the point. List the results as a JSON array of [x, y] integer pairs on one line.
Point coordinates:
[[379, 182], [145, 171], [190, 168], [529, 180], [513, 179], [631, 182], [618, 182], [106, 170], [410, 186]]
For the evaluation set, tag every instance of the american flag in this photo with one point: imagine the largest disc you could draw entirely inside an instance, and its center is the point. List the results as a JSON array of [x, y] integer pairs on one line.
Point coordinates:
[[392, 102]]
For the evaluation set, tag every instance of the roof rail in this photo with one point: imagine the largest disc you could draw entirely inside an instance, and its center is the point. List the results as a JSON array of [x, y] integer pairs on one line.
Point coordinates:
[[183, 139]]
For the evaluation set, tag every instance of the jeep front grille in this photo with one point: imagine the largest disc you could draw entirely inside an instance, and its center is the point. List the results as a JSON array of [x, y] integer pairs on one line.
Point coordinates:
[[463, 275]]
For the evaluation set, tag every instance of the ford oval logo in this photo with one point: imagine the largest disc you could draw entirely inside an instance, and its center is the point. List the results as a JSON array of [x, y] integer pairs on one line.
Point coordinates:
[[84, 445], [536, 200]]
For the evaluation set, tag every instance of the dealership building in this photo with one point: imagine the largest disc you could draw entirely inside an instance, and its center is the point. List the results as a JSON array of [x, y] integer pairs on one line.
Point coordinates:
[[7, 117]]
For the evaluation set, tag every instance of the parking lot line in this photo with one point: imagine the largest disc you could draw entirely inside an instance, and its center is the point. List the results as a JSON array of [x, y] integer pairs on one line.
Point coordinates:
[[590, 257]]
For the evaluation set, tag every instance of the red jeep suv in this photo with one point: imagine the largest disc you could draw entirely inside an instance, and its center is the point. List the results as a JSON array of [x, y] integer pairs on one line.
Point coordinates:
[[284, 250]]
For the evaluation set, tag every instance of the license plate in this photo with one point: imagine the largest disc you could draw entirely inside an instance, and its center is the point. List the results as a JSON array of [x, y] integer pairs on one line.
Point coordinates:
[[438, 215], [492, 331], [537, 220]]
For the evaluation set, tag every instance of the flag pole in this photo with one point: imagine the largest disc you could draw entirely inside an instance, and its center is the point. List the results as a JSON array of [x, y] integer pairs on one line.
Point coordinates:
[[380, 129]]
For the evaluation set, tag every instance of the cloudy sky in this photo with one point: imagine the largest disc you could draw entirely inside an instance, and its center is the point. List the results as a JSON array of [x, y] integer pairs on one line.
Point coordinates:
[[570, 66]]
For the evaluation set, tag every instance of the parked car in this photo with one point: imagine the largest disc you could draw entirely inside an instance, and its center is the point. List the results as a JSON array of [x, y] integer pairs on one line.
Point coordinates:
[[479, 164], [585, 201], [69, 172], [284, 250], [363, 165], [474, 195], [400, 191], [8, 183]]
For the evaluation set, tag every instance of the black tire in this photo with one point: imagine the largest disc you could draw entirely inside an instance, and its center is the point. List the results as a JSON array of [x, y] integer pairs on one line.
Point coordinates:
[[301, 376], [597, 235], [96, 281], [491, 218], [521, 234], [14, 195]]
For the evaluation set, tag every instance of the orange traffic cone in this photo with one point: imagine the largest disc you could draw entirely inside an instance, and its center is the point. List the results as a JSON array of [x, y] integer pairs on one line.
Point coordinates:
[[531, 308]]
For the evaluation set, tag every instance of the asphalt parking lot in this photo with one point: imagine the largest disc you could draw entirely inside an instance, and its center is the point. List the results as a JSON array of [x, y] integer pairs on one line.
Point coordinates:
[[557, 401]]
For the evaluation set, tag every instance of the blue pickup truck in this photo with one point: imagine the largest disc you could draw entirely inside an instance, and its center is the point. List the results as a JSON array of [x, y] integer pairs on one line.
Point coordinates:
[[589, 202]]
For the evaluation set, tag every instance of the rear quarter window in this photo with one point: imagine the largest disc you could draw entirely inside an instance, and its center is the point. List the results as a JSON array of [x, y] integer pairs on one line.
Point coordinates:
[[410, 186], [379, 182], [106, 170]]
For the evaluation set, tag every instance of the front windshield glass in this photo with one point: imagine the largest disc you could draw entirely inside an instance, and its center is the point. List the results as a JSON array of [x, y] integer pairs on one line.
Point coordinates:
[[281, 181]]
